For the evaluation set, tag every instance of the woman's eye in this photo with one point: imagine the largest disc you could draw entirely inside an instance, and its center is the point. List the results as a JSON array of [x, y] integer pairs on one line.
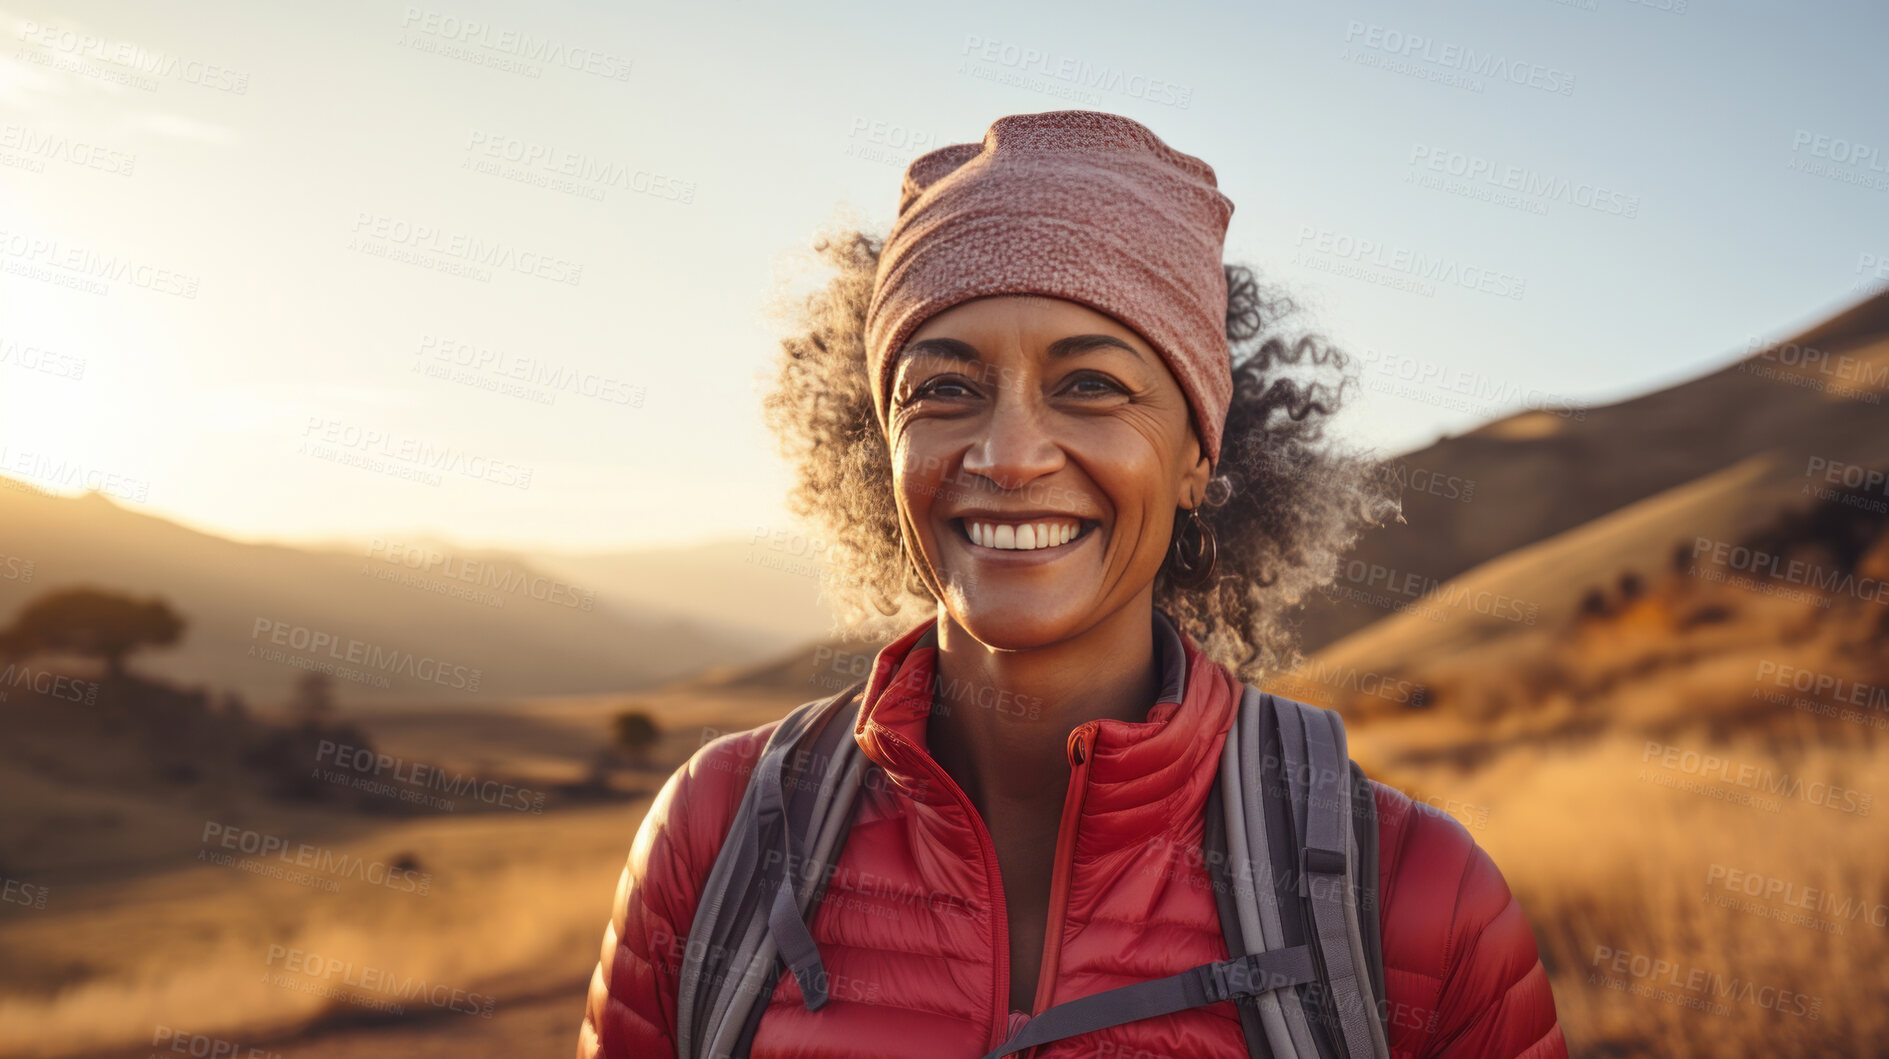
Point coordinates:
[[939, 386], [1094, 386]]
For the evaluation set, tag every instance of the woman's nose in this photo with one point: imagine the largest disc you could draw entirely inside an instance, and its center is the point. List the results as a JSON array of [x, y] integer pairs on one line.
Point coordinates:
[[1019, 444]]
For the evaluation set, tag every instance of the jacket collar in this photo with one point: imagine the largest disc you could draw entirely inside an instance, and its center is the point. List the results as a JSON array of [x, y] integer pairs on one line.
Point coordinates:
[[1145, 773]]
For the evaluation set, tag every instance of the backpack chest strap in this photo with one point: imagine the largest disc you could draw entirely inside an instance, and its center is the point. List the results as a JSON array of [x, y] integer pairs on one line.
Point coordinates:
[[1209, 983]]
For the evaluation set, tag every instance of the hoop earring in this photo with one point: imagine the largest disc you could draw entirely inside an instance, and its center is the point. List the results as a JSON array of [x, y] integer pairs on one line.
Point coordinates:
[[1192, 562], [913, 581]]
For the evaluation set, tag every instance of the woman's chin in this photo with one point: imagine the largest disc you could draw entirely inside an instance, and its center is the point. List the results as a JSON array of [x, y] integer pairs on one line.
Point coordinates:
[[1018, 622]]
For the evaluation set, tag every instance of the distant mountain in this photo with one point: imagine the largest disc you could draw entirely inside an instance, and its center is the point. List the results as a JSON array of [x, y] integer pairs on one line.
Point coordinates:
[[1564, 496], [770, 586], [404, 626], [808, 671]]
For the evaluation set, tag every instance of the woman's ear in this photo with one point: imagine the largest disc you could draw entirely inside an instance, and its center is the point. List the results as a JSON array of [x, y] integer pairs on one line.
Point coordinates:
[[1193, 485]]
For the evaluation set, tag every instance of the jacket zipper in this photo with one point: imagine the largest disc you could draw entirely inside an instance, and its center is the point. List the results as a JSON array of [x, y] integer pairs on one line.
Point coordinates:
[[993, 883], [1081, 747]]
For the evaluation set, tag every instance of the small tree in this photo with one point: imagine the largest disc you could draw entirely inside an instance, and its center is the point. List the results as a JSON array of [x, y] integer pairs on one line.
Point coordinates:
[[635, 732], [314, 701], [14, 645], [1632, 586], [94, 623]]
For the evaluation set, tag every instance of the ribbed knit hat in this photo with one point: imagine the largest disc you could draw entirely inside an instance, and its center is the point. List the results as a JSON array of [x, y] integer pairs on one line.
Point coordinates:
[[1075, 204]]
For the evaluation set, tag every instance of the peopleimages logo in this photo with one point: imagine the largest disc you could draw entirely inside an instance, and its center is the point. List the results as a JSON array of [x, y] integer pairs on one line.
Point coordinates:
[[56, 261], [1778, 567], [583, 168], [511, 580], [1809, 898], [378, 983], [378, 235], [235, 839], [368, 763], [1074, 72], [361, 653], [1697, 987], [48, 683], [134, 57], [534, 374], [404, 455], [36, 471], [1710, 768], [1417, 48], [1838, 149], [204, 1046], [42, 146], [36, 358], [1531, 185], [1836, 158], [1826, 686], [473, 33], [1414, 267]]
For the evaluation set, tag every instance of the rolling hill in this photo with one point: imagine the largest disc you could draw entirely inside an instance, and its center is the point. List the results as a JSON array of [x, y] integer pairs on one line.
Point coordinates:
[[1754, 427], [399, 626]]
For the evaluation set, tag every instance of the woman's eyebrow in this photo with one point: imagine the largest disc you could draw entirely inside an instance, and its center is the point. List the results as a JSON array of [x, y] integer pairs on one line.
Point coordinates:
[[1064, 347], [948, 348], [953, 349]]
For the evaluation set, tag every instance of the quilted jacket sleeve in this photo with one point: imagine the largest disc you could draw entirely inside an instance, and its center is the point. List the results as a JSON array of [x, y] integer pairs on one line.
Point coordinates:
[[630, 1012], [1460, 958]]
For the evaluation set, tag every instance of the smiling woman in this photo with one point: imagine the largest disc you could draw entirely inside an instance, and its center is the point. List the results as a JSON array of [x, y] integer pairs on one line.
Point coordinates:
[[1045, 414]]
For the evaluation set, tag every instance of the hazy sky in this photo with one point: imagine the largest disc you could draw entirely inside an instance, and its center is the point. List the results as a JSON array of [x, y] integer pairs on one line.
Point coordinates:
[[245, 249]]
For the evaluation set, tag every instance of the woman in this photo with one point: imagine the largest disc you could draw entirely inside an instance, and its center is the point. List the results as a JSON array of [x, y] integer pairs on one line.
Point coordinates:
[[1025, 412]]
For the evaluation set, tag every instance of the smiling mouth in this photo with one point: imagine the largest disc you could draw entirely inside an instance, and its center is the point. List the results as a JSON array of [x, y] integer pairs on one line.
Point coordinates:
[[1037, 535]]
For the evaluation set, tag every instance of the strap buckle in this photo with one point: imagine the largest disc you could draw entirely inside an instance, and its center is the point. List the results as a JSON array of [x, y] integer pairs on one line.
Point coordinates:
[[1316, 861], [1237, 977], [1215, 981]]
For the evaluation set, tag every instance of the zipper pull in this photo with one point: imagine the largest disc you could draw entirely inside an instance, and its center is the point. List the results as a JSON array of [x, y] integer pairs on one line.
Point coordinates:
[[1077, 737]]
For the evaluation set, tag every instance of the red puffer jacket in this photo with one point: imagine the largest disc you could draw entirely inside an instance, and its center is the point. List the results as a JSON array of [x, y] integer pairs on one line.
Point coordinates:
[[912, 927]]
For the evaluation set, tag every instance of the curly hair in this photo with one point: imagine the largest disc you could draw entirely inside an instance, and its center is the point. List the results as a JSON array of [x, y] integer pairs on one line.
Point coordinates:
[[1284, 504]]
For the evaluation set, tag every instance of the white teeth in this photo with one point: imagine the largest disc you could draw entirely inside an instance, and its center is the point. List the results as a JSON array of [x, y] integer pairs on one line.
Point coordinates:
[[1025, 536]]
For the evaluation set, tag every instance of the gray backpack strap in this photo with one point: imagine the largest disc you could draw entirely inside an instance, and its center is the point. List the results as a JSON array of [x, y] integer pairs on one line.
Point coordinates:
[[752, 880], [1361, 917], [1213, 848], [1319, 773], [1208, 983], [708, 951], [736, 1002], [830, 821], [1272, 829], [1256, 907], [1370, 914]]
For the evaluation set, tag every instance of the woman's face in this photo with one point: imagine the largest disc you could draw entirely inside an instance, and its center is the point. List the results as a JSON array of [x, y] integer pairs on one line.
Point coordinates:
[[1040, 449]]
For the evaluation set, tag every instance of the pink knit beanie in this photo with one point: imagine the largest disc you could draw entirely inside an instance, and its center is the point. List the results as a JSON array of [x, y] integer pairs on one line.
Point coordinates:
[[1075, 204]]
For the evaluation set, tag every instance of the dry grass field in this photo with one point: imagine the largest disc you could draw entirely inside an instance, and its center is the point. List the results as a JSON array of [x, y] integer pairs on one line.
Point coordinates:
[[1684, 787], [477, 925]]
